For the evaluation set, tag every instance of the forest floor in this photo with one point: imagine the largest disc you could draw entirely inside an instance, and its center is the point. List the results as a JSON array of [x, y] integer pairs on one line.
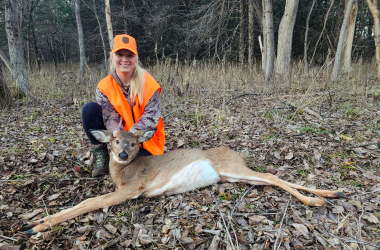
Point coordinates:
[[45, 167]]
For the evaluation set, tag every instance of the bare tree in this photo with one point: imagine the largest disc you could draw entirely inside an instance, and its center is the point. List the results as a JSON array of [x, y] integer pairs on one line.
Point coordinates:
[[13, 25], [285, 37], [251, 39], [241, 35], [305, 44], [125, 19], [109, 22], [5, 94], [269, 43], [82, 51], [350, 38], [219, 29], [341, 43], [372, 5], [6, 60]]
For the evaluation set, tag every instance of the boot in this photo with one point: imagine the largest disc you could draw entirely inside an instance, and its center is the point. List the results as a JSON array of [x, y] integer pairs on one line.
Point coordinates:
[[101, 159]]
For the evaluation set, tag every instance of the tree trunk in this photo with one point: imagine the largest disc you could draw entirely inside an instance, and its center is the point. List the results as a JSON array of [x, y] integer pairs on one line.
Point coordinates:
[[263, 47], [219, 28], [341, 43], [6, 60], [13, 26], [125, 19], [251, 39], [285, 36], [241, 35], [5, 95], [376, 22], [269, 46], [109, 22], [350, 38], [305, 45], [101, 34], [82, 51]]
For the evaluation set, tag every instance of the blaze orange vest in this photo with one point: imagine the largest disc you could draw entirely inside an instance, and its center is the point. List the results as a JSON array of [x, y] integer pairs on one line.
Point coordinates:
[[109, 87]]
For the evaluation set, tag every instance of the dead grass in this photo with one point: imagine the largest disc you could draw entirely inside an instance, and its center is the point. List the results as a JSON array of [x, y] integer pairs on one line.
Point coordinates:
[[198, 79]]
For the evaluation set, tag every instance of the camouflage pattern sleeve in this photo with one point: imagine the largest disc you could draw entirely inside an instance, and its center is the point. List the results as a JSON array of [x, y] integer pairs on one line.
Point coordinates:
[[111, 118], [151, 115]]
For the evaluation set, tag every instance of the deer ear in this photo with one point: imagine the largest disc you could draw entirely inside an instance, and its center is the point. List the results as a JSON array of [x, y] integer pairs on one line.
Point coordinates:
[[102, 135], [146, 135]]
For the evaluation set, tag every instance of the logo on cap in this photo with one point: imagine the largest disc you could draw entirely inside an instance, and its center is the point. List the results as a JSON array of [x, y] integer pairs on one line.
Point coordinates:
[[125, 39]]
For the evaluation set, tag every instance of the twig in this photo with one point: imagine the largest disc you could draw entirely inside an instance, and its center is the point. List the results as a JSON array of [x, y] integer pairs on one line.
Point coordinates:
[[89, 242], [241, 199], [235, 97], [248, 214], [375, 191], [8, 238], [112, 242], [361, 242], [47, 213], [62, 179], [279, 229], [228, 233]]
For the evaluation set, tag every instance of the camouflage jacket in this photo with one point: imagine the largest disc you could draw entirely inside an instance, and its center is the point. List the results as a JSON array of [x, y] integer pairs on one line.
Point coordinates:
[[113, 121]]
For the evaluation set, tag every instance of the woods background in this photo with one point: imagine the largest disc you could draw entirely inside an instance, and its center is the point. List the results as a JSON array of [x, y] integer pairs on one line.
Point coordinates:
[[62, 32]]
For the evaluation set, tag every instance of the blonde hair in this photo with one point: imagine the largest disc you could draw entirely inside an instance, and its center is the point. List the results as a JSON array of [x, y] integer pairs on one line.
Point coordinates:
[[136, 86]]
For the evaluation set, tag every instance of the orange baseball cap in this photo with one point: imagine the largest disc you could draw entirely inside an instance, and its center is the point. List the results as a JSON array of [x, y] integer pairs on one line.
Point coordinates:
[[124, 42]]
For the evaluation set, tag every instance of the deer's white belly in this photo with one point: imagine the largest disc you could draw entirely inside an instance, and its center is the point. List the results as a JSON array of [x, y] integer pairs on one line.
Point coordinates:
[[197, 174]]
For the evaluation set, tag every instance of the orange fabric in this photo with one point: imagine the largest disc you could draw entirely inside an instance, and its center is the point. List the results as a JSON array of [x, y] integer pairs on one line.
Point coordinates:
[[109, 87], [124, 42]]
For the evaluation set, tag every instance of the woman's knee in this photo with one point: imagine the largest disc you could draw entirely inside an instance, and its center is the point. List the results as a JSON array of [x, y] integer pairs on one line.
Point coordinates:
[[90, 109]]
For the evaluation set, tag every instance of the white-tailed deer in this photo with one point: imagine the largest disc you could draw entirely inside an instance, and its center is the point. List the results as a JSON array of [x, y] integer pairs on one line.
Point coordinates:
[[171, 173]]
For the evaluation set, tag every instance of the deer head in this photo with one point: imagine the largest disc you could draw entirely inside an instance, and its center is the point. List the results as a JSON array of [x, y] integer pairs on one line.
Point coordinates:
[[125, 146]]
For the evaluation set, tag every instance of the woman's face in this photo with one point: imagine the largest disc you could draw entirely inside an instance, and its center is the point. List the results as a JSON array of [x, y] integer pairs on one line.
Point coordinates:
[[124, 61]]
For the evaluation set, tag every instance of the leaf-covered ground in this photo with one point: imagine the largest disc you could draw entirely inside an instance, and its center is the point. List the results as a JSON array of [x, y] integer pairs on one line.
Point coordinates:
[[44, 166]]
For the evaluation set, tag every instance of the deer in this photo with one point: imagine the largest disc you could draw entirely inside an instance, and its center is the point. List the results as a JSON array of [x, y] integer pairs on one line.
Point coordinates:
[[173, 172]]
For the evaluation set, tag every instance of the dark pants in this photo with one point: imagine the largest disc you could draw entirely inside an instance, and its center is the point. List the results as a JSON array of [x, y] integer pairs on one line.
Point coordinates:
[[92, 118]]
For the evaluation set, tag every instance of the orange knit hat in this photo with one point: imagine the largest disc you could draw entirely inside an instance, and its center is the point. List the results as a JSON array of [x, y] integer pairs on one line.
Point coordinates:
[[124, 42]]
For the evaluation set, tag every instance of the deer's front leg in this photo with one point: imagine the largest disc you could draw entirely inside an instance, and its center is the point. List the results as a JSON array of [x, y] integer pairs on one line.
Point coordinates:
[[88, 205]]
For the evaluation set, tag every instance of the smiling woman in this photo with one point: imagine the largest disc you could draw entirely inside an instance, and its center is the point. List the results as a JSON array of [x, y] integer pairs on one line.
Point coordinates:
[[128, 99]]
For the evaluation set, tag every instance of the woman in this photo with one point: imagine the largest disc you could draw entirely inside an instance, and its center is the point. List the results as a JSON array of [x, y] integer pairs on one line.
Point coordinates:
[[128, 99]]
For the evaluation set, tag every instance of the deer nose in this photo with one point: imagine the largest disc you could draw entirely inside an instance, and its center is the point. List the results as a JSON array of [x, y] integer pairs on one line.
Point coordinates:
[[123, 155]]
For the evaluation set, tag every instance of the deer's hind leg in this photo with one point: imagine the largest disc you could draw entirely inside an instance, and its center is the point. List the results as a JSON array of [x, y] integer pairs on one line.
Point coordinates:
[[232, 168]]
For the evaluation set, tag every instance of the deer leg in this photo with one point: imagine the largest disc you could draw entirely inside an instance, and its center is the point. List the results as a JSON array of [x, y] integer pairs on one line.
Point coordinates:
[[269, 179], [320, 192], [88, 205]]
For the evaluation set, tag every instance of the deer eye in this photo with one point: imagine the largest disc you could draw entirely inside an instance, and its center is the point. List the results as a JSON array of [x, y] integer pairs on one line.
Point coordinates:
[[132, 144], [117, 141]]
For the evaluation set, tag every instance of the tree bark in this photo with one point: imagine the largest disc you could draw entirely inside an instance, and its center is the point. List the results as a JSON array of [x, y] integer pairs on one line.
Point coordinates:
[[6, 60], [341, 43], [109, 23], [5, 94], [269, 46], [82, 52], [323, 29], [263, 46], [219, 28], [350, 38], [125, 19], [251, 38], [13, 26], [305, 45], [372, 5], [101, 34], [241, 35], [285, 37]]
